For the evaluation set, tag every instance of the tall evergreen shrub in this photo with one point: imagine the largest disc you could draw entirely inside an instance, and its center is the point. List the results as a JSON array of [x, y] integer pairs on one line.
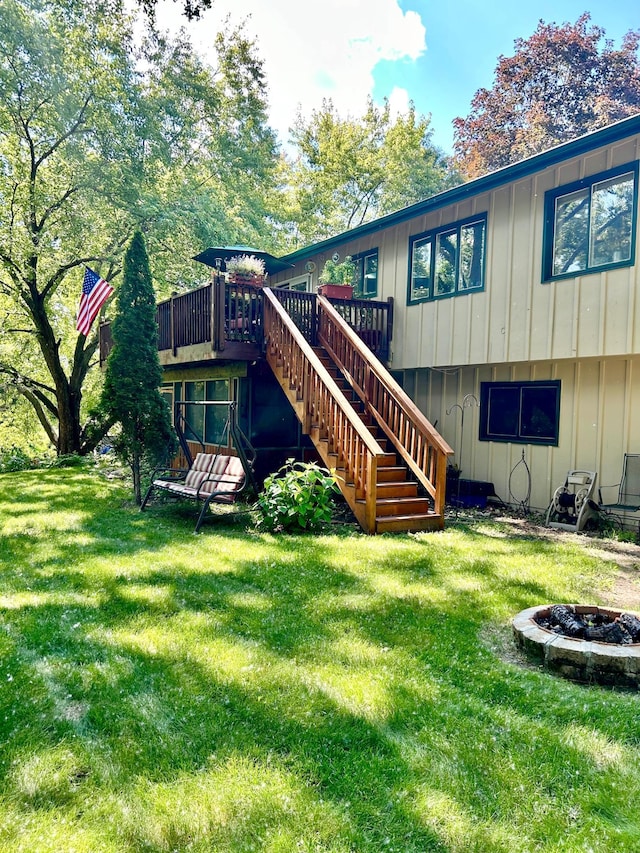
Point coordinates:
[[133, 376]]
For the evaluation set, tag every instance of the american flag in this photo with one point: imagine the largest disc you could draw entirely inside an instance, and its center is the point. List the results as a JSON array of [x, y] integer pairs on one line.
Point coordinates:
[[95, 292]]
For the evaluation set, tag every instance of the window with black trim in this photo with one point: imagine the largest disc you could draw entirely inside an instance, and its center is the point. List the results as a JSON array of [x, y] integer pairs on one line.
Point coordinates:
[[366, 278], [590, 225], [208, 423], [520, 412], [448, 261]]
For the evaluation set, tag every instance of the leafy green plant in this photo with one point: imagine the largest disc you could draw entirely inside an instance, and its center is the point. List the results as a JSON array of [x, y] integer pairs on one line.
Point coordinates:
[[299, 496], [338, 273], [13, 459], [68, 460]]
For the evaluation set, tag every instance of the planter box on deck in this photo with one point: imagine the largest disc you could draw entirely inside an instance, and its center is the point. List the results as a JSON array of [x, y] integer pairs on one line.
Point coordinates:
[[336, 291]]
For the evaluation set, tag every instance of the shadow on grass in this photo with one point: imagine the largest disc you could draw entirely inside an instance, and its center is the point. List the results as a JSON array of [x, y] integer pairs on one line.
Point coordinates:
[[350, 664]]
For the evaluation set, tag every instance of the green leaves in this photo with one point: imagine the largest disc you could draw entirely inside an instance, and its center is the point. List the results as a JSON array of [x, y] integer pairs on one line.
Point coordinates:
[[297, 497], [99, 138], [352, 170]]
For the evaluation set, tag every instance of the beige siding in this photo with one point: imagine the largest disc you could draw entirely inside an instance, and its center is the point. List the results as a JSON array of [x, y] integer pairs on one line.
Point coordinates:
[[599, 422], [516, 318]]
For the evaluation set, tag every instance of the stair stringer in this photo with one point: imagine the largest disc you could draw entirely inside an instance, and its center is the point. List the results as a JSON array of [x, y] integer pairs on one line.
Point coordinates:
[[336, 429]]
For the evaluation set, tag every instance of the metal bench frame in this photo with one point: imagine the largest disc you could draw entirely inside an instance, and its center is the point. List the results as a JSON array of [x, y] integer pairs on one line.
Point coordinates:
[[213, 477]]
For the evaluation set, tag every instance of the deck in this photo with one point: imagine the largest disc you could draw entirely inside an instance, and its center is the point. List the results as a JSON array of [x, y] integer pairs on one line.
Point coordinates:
[[224, 321]]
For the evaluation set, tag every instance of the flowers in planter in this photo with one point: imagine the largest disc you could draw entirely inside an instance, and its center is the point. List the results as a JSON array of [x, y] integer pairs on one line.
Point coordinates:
[[246, 269]]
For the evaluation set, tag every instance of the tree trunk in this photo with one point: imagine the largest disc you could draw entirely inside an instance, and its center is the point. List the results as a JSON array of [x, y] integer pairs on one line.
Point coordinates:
[[135, 470], [65, 407]]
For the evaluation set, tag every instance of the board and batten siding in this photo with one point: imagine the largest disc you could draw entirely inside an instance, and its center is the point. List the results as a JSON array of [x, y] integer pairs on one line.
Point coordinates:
[[516, 317], [599, 422]]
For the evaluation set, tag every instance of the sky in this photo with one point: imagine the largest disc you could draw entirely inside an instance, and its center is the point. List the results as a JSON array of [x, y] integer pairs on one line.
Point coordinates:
[[436, 54]]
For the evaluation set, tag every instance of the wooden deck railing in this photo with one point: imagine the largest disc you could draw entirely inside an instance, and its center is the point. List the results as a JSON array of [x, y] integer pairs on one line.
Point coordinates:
[[223, 312], [418, 443], [371, 320], [301, 307], [320, 404]]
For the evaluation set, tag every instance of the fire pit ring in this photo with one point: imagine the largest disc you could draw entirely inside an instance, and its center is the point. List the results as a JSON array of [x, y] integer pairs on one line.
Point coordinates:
[[577, 659]]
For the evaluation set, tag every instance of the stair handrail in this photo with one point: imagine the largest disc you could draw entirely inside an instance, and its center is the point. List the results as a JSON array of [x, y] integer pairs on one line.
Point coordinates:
[[374, 452], [415, 448]]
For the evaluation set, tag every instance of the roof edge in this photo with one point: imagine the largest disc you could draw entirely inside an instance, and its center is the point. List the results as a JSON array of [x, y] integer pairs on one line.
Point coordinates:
[[515, 171]]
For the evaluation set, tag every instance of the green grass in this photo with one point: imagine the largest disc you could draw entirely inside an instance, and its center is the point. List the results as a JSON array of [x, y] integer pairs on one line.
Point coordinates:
[[236, 691]]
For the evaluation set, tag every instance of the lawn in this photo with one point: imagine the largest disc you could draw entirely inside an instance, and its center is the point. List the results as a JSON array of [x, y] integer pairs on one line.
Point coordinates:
[[238, 691]]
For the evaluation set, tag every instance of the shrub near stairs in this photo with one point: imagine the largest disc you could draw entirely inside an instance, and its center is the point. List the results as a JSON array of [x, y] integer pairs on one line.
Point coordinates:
[[299, 496]]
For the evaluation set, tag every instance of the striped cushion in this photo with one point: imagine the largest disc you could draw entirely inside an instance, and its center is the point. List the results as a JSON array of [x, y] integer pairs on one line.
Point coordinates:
[[234, 472], [167, 484], [199, 471], [227, 477], [219, 465], [180, 489]]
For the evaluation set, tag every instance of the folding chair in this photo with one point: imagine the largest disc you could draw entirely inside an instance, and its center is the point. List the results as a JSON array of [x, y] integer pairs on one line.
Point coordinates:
[[628, 489]]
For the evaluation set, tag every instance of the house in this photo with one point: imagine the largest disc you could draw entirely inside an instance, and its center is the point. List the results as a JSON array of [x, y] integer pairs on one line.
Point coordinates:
[[506, 311], [518, 291]]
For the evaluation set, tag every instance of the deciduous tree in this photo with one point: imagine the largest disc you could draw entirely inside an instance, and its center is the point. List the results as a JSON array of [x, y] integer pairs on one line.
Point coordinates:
[[347, 171], [560, 83], [91, 148]]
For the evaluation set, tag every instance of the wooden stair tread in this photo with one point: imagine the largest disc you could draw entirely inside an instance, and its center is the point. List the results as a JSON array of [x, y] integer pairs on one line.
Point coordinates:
[[397, 488], [396, 473], [398, 506]]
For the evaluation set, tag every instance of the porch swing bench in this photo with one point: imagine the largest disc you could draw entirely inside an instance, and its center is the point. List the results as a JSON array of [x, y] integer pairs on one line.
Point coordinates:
[[210, 477]]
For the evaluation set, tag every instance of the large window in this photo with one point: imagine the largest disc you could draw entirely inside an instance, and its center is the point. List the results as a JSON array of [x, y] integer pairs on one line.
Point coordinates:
[[520, 412], [590, 225], [366, 280], [448, 261], [208, 423]]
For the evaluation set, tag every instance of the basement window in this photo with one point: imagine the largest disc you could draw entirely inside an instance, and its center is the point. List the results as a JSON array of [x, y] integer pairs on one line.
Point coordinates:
[[520, 412], [590, 225], [207, 423]]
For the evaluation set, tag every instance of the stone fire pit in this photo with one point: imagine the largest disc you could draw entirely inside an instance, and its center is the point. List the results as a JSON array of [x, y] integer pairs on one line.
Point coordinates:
[[578, 659]]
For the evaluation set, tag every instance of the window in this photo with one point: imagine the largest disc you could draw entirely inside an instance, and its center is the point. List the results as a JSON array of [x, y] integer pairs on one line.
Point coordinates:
[[366, 280], [520, 412], [167, 395], [590, 225], [208, 423], [215, 419], [448, 261], [299, 284]]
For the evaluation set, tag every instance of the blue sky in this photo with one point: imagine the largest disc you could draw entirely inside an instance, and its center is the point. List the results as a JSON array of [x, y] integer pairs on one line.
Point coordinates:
[[463, 47], [437, 54]]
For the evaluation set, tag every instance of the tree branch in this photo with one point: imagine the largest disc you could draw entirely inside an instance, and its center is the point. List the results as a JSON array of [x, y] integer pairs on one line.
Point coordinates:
[[40, 413]]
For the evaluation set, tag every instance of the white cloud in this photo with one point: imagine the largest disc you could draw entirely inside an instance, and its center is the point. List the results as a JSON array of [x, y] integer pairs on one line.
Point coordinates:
[[398, 101], [315, 50]]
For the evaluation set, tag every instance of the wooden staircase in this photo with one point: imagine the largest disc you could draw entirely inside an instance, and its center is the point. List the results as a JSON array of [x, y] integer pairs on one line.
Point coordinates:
[[389, 460]]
